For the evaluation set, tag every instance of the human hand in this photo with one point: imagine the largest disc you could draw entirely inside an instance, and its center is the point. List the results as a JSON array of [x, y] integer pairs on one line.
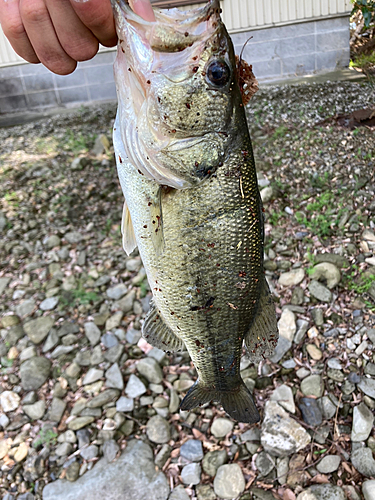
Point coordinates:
[[58, 33]]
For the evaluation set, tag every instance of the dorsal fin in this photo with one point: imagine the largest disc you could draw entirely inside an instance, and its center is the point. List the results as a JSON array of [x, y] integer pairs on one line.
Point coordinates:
[[128, 237], [158, 334], [263, 334]]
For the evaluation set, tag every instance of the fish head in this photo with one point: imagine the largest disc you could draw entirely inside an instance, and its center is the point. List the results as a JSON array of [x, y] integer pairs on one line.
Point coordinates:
[[178, 93]]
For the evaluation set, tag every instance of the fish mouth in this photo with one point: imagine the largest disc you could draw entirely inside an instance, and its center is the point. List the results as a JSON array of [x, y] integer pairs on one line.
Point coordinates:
[[151, 55], [186, 25]]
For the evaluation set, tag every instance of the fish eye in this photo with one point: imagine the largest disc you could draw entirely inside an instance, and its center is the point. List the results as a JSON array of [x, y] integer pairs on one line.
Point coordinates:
[[218, 73]]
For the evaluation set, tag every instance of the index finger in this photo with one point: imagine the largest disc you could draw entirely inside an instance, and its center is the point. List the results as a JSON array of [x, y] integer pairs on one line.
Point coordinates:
[[98, 17]]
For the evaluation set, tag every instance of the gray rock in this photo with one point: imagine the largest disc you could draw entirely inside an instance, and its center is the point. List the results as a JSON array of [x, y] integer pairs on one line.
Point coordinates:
[[292, 278], [150, 369], [92, 376], [38, 329], [327, 492], [157, 354], [110, 450], [264, 463], [287, 325], [114, 321], [191, 474], [34, 372], [51, 341], [135, 387], [117, 291], [92, 332], [114, 353], [311, 412], [302, 327], [35, 411], [89, 452], [213, 460], [61, 350], [80, 422], [114, 377], [329, 464], [64, 449], [312, 386], [363, 420], [267, 194], [132, 336], [158, 430], [57, 410], [319, 291], [109, 340], [4, 421], [28, 353], [281, 435], [327, 407], [3, 284], [132, 476], [53, 241], [125, 404], [104, 398], [317, 315], [25, 307], [368, 489], [363, 461], [9, 401], [49, 304], [73, 237], [284, 396], [221, 427], [179, 493], [367, 385], [282, 347], [229, 482], [327, 272], [163, 455], [192, 450]]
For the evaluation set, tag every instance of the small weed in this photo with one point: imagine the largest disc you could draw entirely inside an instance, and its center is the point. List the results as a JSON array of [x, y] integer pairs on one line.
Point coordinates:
[[45, 437], [273, 217], [77, 143], [84, 297], [280, 132], [6, 362]]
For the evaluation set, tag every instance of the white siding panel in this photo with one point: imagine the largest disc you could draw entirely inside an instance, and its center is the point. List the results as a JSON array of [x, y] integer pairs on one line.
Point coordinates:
[[7, 54], [238, 15], [308, 8], [251, 12], [333, 7], [292, 10]]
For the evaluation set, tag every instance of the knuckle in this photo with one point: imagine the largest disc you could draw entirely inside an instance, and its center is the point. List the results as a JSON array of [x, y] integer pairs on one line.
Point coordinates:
[[13, 30], [33, 12]]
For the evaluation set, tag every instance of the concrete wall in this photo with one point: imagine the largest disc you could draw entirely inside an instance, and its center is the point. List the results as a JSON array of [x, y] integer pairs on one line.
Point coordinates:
[[277, 52]]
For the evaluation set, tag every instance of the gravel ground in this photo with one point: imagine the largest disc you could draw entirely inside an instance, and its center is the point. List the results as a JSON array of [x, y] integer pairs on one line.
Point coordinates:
[[89, 409]]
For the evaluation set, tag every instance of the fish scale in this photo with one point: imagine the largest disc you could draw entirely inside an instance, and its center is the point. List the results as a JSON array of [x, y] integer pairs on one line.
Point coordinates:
[[202, 245]]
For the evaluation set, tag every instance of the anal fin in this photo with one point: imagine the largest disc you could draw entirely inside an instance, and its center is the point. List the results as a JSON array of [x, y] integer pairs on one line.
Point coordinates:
[[263, 334], [158, 334], [128, 237]]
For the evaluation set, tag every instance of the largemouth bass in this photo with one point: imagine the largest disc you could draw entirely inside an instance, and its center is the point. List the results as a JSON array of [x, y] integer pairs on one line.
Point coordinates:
[[192, 206]]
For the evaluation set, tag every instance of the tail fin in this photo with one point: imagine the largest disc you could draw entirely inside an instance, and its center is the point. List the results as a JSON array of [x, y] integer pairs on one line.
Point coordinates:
[[238, 403]]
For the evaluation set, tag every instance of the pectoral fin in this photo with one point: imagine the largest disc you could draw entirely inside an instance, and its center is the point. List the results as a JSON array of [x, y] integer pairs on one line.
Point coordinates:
[[263, 334], [128, 237], [158, 334]]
